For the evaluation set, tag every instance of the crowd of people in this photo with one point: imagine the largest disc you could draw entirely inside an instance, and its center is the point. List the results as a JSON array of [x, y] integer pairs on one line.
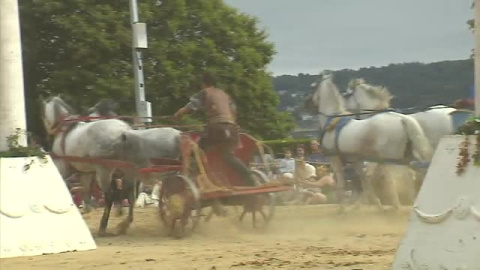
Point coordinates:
[[310, 174]]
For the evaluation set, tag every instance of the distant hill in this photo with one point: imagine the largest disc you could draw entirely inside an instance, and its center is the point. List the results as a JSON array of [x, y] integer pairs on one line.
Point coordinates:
[[412, 84]]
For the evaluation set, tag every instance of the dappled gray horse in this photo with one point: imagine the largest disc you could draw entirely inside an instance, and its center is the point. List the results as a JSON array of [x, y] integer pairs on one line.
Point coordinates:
[[93, 141], [147, 144]]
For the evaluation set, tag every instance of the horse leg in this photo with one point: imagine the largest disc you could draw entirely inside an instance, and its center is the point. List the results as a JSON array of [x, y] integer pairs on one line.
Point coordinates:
[[337, 166], [411, 190], [103, 176], [132, 195], [209, 215], [86, 180], [369, 194], [118, 206], [391, 185], [106, 214], [123, 226]]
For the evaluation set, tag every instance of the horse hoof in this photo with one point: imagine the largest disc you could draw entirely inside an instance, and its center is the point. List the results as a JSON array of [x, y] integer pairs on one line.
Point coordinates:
[[122, 228], [104, 234], [119, 212]]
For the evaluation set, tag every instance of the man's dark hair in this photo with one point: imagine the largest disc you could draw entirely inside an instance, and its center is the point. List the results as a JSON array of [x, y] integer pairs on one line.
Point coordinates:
[[208, 79]]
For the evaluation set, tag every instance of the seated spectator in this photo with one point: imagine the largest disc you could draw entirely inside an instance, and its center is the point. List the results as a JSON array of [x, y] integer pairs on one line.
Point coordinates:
[[317, 157], [312, 190], [286, 165], [148, 195], [305, 171]]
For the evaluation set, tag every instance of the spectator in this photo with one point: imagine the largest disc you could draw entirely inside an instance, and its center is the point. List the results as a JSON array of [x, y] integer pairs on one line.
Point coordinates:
[[317, 157], [286, 166], [303, 170]]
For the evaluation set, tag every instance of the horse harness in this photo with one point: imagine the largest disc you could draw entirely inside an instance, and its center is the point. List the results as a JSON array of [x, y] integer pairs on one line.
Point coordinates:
[[63, 127], [336, 124]]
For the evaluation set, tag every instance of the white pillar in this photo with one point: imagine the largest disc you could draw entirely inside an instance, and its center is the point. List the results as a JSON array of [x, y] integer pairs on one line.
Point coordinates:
[[12, 99], [477, 56], [139, 42]]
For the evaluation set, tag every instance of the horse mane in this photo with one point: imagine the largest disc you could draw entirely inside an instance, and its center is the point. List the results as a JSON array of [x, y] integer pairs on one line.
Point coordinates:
[[61, 102], [355, 82], [380, 92], [374, 91], [105, 107]]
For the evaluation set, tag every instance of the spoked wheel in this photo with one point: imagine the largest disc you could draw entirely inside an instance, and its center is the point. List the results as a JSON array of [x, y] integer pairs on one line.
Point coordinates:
[[261, 206], [179, 203]]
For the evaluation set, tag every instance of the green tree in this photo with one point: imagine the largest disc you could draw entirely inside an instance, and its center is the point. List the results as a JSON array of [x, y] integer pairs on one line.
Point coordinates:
[[81, 48], [412, 84]]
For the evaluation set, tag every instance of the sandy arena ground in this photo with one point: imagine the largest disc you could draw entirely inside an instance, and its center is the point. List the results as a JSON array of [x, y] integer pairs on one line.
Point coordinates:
[[299, 237]]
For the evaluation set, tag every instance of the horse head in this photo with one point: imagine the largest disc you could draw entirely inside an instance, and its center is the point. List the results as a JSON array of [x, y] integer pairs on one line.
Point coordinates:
[[105, 107], [325, 97], [55, 110]]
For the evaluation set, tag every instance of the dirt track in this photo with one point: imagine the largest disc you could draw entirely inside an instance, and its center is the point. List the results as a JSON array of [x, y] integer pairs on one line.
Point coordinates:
[[299, 237]]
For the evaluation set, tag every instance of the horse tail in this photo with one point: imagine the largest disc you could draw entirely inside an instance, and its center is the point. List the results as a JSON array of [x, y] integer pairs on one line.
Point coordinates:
[[421, 147]]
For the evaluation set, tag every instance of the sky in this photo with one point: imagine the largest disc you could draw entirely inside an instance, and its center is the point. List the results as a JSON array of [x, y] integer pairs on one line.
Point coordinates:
[[313, 35]]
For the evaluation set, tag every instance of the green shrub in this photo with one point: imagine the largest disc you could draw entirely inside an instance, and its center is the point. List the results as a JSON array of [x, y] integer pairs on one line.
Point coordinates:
[[16, 150], [471, 126]]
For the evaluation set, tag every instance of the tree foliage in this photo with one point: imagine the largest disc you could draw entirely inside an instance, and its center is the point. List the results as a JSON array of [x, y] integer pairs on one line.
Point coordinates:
[[82, 49]]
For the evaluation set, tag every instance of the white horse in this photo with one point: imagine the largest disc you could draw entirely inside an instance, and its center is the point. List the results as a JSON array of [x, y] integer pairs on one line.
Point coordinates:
[[436, 121], [146, 145], [378, 99], [94, 140], [383, 137]]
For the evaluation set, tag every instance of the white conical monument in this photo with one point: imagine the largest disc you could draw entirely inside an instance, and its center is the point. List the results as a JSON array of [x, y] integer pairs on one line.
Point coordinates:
[[37, 214], [444, 226]]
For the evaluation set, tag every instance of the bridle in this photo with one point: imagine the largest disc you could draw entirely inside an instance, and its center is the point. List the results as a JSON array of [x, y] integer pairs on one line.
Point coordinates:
[[55, 128]]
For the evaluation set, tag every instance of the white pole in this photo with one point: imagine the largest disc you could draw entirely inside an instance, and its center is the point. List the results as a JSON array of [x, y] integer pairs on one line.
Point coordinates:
[[12, 98], [477, 56], [142, 107]]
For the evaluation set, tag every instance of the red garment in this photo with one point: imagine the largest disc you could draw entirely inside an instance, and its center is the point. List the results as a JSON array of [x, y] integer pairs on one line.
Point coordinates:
[[94, 191]]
